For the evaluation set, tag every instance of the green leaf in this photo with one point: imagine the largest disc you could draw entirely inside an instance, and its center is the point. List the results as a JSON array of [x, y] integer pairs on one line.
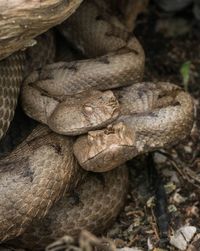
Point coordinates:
[[185, 73]]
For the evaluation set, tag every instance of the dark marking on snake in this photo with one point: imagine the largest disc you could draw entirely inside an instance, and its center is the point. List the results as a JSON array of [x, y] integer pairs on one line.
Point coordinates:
[[57, 149], [29, 173], [6, 167], [104, 60], [74, 198], [72, 67], [101, 178], [135, 51], [140, 93]]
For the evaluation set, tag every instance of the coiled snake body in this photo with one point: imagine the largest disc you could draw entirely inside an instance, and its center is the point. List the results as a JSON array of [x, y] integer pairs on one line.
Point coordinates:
[[74, 98]]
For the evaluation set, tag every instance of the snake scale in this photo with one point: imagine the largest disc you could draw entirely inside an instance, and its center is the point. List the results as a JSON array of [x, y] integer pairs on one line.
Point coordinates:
[[98, 96]]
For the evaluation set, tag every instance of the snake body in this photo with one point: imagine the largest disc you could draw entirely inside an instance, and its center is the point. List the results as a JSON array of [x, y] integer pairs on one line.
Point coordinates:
[[93, 205], [152, 116], [26, 188], [42, 167], [45, 94], [14, 69], [32, 178], [11, 75]]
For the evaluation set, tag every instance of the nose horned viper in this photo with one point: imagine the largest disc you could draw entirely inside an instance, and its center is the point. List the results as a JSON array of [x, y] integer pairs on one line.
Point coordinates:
[[93, 112]]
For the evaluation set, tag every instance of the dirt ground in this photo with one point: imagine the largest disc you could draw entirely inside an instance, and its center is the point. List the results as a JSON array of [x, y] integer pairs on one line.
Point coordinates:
[[172, 46]]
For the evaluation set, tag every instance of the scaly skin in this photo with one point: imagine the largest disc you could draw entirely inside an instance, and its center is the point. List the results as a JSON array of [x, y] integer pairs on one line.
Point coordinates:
[[14, 69], [71, 115], [46, 91], [118, 60], [122, 64], [36, 173], [27, 190], [93, 205], [152, 116], [11, 74], [32, 178]]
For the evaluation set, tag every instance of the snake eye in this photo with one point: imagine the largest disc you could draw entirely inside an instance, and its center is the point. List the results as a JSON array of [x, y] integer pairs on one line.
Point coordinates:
[[88, 109]]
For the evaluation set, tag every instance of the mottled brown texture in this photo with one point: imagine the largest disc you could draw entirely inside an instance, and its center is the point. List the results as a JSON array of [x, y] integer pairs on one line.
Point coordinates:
[[32, 178], [13, 70], [93, 206], [71, 115], [95, 23], [152, 116], [148, 125], [11, 74], [21, 21], [117, 60], [45, 92], [36, 173], [121, 68]]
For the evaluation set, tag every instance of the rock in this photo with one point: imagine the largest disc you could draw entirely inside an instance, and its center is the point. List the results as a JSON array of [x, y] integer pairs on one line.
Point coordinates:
[[182, 237], [188, 232], [178, 241]]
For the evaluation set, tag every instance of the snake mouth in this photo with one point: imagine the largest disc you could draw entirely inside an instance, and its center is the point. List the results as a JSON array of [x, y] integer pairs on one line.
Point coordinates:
[[105, 149], [110, 158]]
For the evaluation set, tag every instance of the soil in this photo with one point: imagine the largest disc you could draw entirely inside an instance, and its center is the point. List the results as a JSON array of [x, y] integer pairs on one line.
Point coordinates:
[[167, 49]]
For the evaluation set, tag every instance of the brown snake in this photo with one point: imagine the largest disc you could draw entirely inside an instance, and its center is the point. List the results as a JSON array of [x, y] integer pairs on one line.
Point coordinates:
[[38, 171]]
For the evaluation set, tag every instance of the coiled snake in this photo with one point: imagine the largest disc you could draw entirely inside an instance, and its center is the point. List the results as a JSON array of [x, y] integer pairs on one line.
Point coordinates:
[[96, 96]]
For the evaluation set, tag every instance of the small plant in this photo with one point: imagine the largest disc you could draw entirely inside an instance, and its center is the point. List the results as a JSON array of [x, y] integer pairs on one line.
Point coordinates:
[[185, 73]]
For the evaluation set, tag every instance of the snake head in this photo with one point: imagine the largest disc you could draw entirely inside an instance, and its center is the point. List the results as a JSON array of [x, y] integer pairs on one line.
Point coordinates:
[[83, 112], [105, 149]]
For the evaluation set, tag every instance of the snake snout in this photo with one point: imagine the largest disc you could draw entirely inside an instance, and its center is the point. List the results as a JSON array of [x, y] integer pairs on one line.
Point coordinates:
[[105, 149]]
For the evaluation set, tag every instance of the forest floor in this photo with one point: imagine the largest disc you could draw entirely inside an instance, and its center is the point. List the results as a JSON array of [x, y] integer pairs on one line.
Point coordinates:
[[172, 48]]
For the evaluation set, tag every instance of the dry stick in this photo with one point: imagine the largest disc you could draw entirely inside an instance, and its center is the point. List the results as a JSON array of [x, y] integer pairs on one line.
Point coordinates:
[[186, 173], [154, 224], [160, 212]]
